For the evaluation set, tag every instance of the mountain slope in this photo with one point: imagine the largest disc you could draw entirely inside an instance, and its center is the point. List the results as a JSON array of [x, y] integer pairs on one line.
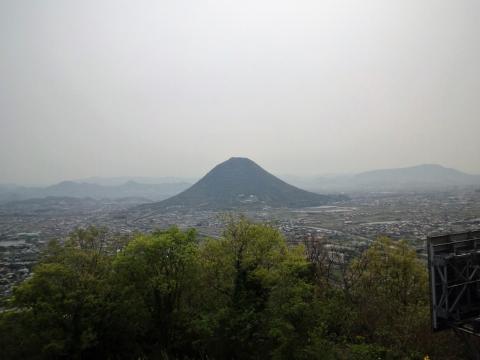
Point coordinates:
[[239, 182]]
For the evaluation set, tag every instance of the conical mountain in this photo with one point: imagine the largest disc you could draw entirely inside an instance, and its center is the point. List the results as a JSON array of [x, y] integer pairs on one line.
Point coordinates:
[[240, 182]]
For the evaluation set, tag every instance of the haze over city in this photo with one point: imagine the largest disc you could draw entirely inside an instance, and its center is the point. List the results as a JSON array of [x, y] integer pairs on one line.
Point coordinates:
[[171, 88], [250, 179]]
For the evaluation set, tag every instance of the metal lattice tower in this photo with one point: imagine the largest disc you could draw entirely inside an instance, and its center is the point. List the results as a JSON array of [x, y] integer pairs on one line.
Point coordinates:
[[454, 269]]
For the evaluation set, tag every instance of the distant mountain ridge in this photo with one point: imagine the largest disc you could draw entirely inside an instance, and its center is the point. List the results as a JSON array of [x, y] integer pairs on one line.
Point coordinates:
[[240, 182], [147, 180], [421, 174], [429, 177], [423, 177], [130, 189]]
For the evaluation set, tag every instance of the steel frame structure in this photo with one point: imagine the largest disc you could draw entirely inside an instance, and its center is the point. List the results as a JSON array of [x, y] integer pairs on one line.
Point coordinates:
[[454, 273]]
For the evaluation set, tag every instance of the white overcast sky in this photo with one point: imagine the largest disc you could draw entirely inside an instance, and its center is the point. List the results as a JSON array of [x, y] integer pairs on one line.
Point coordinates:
[[158, 88]]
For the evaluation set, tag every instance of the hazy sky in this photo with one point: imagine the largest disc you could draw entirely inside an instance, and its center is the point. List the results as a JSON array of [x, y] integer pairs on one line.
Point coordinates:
[[156, 88]]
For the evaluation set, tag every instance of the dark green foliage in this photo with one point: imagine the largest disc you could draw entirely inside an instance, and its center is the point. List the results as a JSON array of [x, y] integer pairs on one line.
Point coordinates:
[[260, 294], [155, 280], [246, 295], [63, 307]]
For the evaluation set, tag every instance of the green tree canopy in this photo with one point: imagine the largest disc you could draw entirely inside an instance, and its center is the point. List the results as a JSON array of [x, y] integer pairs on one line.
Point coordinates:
[[245, 295]]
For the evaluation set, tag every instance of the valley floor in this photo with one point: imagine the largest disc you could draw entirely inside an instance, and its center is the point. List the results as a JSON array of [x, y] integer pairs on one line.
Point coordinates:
[[25, 227]]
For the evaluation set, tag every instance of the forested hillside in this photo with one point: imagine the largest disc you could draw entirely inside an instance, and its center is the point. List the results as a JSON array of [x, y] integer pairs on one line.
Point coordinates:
[[247, 295]]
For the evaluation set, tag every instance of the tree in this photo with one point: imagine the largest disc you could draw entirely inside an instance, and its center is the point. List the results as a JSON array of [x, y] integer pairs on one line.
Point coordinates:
[[156, 276], [60, 308], [388, 290], [245, 295], [257, 304]]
